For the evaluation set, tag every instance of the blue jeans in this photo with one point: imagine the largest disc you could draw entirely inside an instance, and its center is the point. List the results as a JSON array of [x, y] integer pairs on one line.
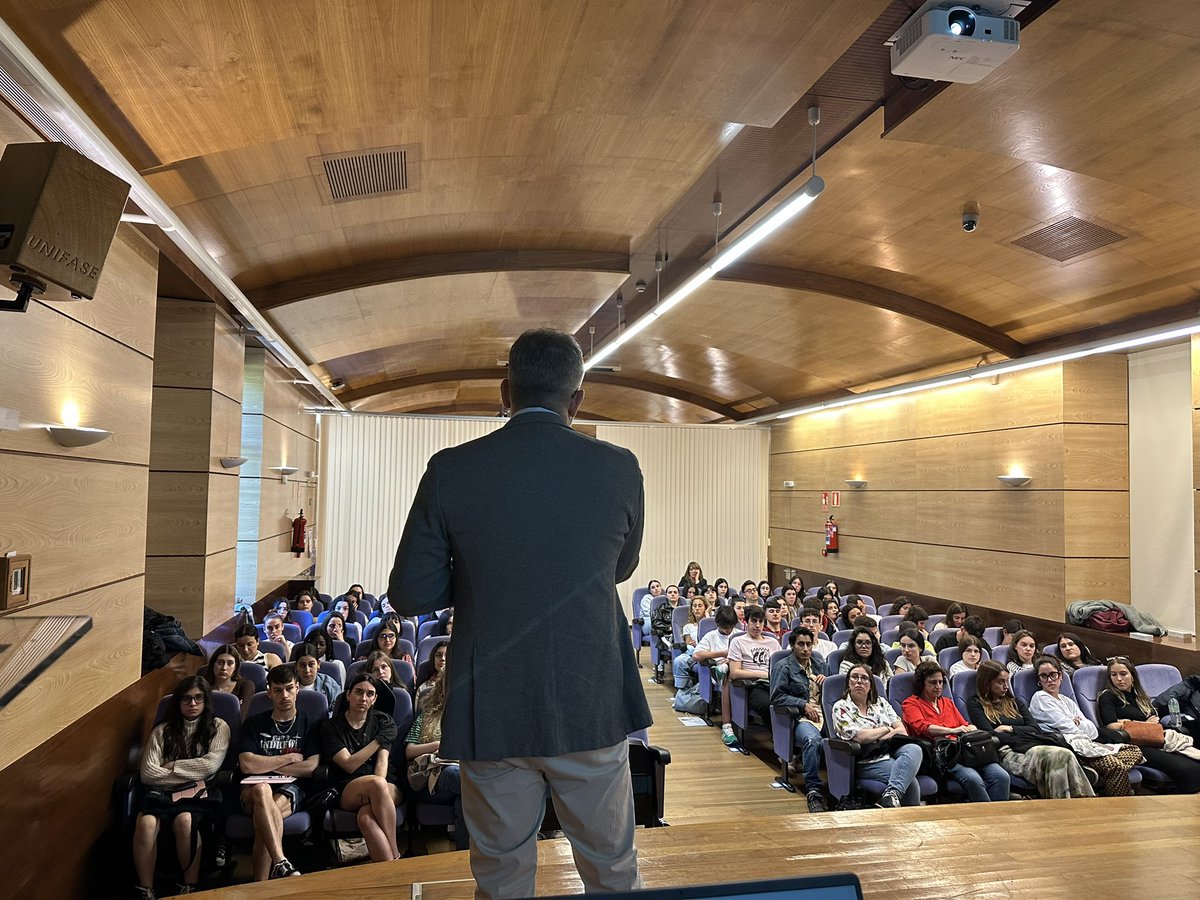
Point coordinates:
[[682, 668], [989, 783], [900, 773], [808, 739], [449, 787]]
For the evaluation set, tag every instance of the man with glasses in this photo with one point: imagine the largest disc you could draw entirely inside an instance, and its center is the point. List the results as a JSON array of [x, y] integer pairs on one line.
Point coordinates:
[[810, 618], [796, 683]]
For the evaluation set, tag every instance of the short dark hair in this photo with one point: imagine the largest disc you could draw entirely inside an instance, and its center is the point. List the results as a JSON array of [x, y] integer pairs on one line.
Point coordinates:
[[923, 671], [755, 614], [973, 625], [772, 603], [545, 368], [867, 621], [284, 674], [725, 617], [916, 614], [800, 630]]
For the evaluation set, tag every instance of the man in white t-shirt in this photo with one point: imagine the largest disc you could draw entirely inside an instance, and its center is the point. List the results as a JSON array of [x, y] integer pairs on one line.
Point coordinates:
[[750, 660], [711, 651]]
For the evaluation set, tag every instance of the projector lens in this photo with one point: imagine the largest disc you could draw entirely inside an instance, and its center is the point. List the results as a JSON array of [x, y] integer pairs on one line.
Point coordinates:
[[961, 21]]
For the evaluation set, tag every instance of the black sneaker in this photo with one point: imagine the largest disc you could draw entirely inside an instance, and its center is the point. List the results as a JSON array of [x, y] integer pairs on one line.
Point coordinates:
[[889, 800], [816, 802], [283, 869]]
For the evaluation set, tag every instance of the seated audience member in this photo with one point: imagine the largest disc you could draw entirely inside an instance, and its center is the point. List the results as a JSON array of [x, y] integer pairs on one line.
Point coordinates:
[[186, 749], [764, 591], [224, 673], [710, 598], [972, 655], [356, 744], [283, 742], [354, 594], [864, 650], [901, 606], [956, 614], [739, 610], [1073, 653], [749, 590], [303, 601], [912, 649], [918, 617], [437, 667], [972, 626], [721, 587], [385, 609], [831, 589], [309, 675], [681, 667], [335, 630], [324, 647], [868, 622], [1103, 749], [273, 626], [661, 628], [773, 610], [1022, 652], [863, 716], [749, 658], [847, 616], [281, 608], [245, 639], [689, 592], [383, 668], [693, 577], [797, 585], [387, 639], [345, 607], [1008, 629], [711, 651], [1123, 701], [1044, 760], [796, 682], [831, 612], [421, 747], [810, 618], [929, 715], [788, 601], [654, 588]]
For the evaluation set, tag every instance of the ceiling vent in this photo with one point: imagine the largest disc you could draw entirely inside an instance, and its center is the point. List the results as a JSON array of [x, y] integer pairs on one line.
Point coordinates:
[[357, 175], [1068, 238]]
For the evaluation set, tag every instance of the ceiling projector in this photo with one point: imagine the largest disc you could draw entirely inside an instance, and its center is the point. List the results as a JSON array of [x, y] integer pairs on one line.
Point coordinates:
[[963, 44]]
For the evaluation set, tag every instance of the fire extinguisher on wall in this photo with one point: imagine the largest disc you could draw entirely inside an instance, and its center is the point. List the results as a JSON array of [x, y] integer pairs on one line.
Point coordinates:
[[299, 529], [831, 537]]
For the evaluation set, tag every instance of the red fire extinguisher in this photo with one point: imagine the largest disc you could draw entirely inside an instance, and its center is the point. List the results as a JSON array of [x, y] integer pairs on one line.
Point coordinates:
[[831, 537], [299, 529]]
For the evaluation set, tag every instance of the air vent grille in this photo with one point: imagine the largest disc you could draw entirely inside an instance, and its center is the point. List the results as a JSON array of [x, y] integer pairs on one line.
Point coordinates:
[[361, 174], [1068, 238]]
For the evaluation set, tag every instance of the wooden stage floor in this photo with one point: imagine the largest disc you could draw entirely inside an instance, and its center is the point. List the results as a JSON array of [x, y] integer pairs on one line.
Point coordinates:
[[1139, 847]]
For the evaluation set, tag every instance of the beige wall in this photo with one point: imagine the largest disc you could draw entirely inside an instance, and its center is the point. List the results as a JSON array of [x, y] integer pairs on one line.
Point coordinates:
[[275, 432], [934, 519], [191, 542], [80, 513]]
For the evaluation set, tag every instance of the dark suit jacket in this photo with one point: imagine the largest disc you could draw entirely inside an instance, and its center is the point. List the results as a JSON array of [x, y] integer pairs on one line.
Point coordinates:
[[526, 532]]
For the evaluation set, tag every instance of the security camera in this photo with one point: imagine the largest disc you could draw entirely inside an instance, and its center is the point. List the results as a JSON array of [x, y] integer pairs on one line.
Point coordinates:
[[970, 217], [337, 384]]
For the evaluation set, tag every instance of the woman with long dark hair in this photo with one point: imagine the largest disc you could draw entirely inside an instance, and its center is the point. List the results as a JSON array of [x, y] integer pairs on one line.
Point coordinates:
[[1073, 653], [693, 577], [864, 650], [184, 751], [224, 673]]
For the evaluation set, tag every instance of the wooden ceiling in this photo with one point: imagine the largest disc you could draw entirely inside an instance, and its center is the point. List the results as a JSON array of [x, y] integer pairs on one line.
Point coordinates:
[[555, 145]]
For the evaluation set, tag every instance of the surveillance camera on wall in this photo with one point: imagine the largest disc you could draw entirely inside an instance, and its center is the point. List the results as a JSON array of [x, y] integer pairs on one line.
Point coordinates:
[[59, 212]]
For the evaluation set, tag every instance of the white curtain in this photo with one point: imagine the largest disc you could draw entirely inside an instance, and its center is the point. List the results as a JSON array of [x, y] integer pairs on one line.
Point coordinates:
[[370, 469], [706, 500], [1161, 517]]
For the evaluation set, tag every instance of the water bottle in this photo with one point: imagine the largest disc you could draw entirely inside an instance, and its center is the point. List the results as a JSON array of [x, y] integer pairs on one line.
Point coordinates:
[[1173, 710]]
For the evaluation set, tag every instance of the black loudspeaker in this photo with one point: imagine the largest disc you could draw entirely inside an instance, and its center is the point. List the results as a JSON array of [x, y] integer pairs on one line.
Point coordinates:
[[59, 212]]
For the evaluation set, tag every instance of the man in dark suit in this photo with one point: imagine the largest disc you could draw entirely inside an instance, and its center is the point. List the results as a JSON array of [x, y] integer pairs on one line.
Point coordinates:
[[526, 533]]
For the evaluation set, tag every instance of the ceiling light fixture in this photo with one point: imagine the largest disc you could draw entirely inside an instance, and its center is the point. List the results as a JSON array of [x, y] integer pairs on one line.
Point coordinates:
[[140, 219], [993, 371]]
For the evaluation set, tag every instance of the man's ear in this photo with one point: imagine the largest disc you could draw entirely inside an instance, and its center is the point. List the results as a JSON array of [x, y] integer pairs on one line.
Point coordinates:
[[506, 394], [576, 402]]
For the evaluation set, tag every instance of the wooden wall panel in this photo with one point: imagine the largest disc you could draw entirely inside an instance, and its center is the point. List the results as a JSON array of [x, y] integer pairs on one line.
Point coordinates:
[[180, 432], [199, 590], [48, 361], [177, 514], [186, 356], [1096, 389], [229, 355], [83, 522], [222, 513], [104, 661], [1097, 457]]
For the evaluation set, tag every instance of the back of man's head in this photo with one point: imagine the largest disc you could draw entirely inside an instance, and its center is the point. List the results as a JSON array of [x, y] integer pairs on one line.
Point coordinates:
[[545, 368], [973, 625]]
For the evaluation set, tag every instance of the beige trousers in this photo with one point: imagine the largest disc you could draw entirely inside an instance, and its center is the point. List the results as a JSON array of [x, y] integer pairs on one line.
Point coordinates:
[[504, 802]]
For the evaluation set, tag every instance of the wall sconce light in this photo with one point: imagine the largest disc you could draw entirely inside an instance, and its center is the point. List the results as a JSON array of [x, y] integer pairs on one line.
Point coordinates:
[[856, 483], [76, 436], [1015, 478], [232, 462], [284, 472]]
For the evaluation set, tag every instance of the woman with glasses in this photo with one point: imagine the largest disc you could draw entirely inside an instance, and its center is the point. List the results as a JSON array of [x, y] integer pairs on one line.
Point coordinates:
[[929, 715], [1102, 748], [387, 640], [1044, 760], [1123, 700], [864, 649], [186, 749], [862, 715]]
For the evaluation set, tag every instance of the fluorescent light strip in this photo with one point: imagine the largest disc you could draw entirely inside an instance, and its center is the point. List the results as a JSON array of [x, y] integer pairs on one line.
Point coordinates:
[[92, 142], [772, 222], [1091, 348]]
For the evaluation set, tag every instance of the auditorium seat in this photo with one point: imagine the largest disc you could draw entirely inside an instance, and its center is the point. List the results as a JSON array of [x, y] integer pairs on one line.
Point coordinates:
[[256, 674], [887, 623], [302, 619], [426, 647]]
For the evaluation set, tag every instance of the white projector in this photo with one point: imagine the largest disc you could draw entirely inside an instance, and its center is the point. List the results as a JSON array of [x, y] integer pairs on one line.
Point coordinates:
[[953, 43]]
